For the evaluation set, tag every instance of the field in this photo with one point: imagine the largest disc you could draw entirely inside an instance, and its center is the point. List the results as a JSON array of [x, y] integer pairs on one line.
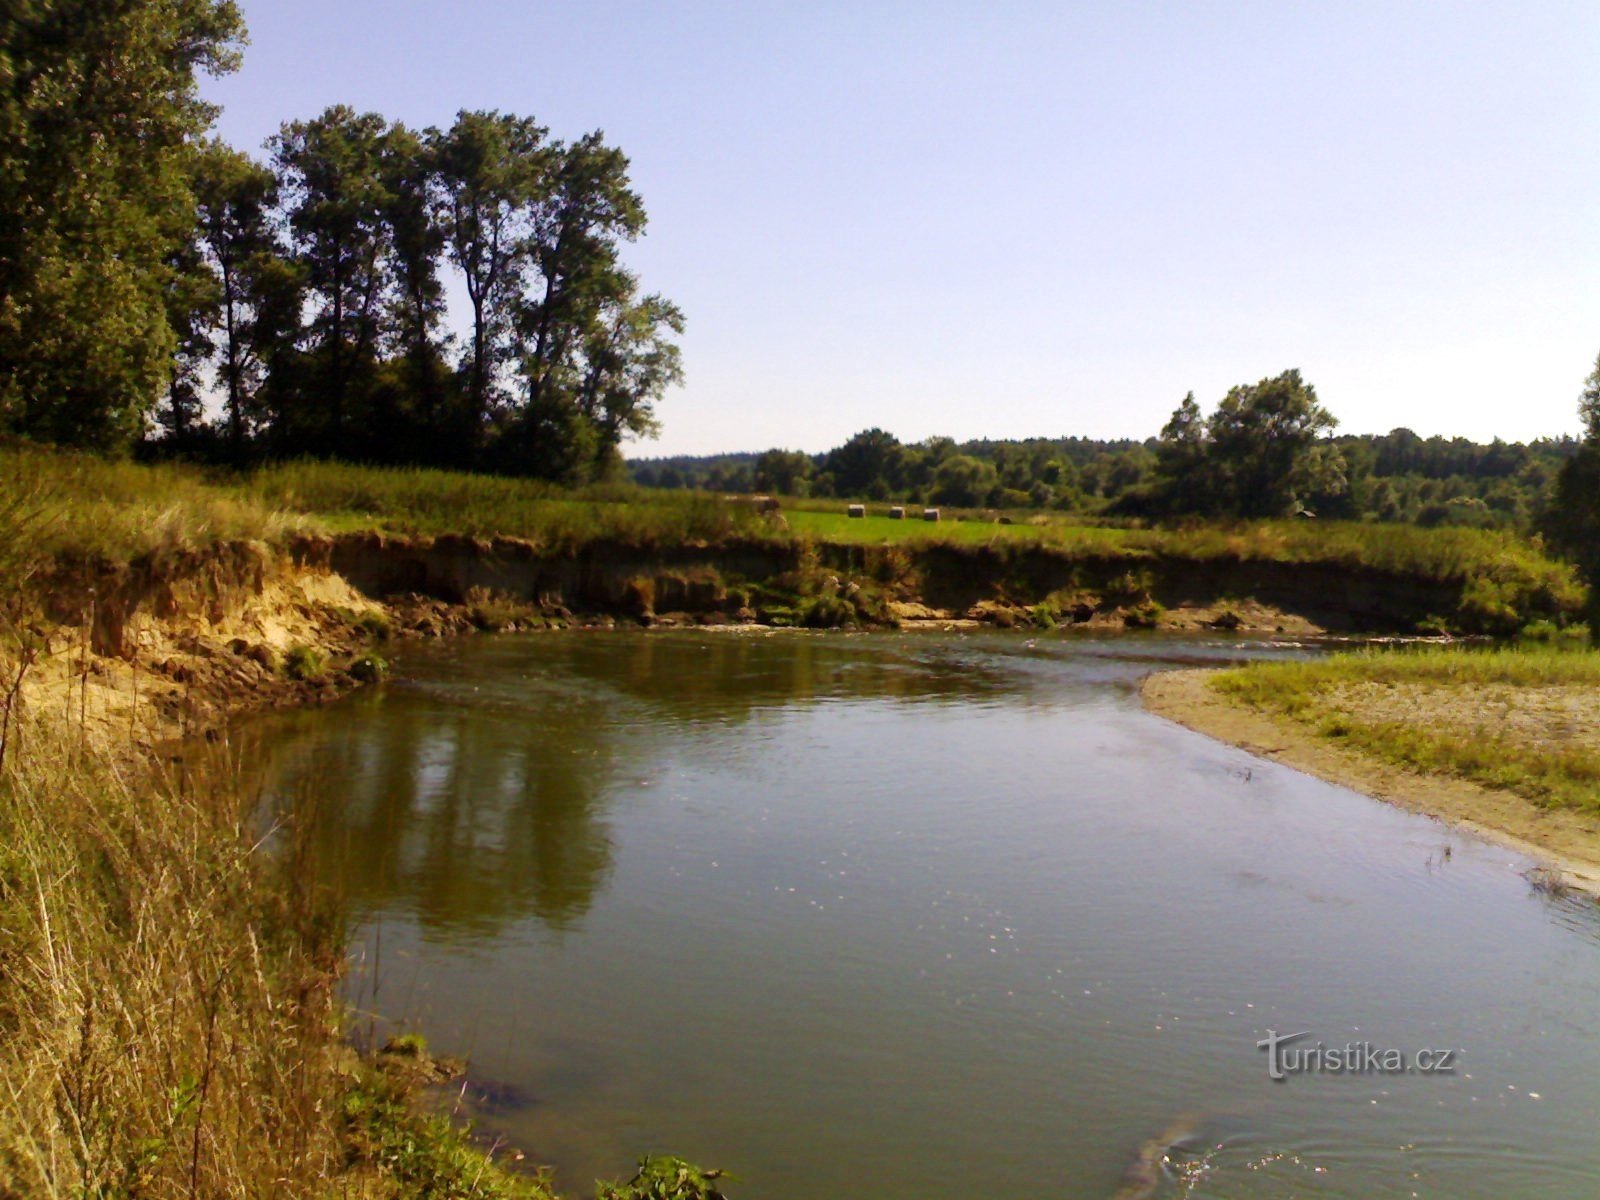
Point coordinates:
[[79, 506], [1525, 719]]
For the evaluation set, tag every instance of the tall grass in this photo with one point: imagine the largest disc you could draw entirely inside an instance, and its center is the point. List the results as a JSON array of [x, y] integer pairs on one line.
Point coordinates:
[[116, 511], [94, 508], [1444, 554], [165, 1010]]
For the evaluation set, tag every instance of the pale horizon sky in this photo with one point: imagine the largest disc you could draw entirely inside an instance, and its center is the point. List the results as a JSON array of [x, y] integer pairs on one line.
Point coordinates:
[[1030, 219]]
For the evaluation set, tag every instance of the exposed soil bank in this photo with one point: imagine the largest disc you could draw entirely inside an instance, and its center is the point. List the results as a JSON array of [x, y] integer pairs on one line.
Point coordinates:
[[1569, 842], [174, 641]]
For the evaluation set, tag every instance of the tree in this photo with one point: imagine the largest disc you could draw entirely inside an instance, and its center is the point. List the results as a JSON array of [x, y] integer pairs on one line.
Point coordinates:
[[332, 172], [420, 392], [1572, 520], [494, 171], [98, 105], [870, 457], [629, 363], [785, 472], [573, 245], [1184, 463], [1589, 405], [238, 244], [963, 480], [1260, 436]]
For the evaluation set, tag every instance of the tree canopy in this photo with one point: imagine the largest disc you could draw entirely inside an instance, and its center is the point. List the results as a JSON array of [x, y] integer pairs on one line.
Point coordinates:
[[145, 268]]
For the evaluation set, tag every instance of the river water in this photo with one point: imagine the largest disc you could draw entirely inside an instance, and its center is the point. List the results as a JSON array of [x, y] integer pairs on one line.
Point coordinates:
[[932, 916]]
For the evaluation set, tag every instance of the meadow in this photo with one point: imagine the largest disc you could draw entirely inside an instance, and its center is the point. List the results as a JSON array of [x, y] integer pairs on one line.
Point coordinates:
[[87, 507]]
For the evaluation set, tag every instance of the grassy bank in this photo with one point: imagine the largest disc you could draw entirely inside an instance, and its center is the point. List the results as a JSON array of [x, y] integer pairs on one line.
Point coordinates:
[[169, 1021], [85, 508], [1524, 719]]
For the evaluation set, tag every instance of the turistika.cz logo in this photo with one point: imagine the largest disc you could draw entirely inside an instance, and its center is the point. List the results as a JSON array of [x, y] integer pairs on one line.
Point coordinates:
[[1285, 1058]]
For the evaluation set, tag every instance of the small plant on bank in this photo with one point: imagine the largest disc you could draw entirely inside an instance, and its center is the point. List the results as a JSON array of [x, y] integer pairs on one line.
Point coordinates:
[[494, 612], [661, 1177], [406, 1045], [376, 626], [1144, 616], [304, 663]]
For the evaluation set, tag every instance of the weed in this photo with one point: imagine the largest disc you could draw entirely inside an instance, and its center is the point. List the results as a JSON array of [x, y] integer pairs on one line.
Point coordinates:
[[304, 663], [664, 1178], [369, 668]]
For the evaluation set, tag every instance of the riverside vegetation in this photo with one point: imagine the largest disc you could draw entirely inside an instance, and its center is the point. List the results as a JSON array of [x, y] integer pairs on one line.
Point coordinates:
[[168, 1023], [167, 976], [1521, 718], [169, 998]]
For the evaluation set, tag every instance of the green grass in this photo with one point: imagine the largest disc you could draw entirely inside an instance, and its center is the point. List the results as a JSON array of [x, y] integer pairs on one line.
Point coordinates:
[[79, 507], [1439, 554], [341, 497], [1329, 695]]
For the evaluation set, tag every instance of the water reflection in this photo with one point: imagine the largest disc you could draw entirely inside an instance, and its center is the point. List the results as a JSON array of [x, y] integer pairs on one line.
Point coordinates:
[[927, 916], [475, 792]]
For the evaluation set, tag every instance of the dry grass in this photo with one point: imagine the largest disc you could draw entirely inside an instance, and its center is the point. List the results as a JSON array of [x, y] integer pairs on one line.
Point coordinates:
[[166, 1021], [1525, 719]]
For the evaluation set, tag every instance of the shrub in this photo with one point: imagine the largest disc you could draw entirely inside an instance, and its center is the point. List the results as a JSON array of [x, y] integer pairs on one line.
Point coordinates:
[[1144, 616]]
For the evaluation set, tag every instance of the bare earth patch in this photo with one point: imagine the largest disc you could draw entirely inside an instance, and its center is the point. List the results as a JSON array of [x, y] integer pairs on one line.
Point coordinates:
[[1543, 716]]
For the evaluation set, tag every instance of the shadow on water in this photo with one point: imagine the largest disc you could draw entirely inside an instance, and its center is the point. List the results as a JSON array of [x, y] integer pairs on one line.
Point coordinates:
[[474, 792]]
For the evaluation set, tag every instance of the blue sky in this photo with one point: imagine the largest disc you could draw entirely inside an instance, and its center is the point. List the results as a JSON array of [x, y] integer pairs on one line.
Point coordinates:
[[1014, 219]]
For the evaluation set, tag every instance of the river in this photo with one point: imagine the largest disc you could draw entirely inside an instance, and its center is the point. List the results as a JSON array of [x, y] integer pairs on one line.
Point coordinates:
[[933, 915]]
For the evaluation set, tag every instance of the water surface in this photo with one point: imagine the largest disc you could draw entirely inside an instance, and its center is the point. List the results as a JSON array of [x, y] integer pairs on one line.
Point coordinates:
[[932, 916]]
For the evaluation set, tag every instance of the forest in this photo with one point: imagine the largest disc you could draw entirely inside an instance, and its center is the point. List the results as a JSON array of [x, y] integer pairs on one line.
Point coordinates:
[[1398, 477]]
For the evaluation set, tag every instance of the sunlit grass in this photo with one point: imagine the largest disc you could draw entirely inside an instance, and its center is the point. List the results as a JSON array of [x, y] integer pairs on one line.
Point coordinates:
[[114, 511], [1452, 699]]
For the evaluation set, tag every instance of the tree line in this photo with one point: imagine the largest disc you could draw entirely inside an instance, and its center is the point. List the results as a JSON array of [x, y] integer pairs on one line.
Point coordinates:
[[145, 267], [1268, 449]]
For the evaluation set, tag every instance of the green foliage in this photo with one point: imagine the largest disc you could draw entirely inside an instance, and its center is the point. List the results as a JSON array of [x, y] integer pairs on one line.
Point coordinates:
[[369, 668], [375, 625], [417, 1155], [1257, 455], [96, 111], [1145, 615], [1572, 519], [304, 663], [661, 1177]]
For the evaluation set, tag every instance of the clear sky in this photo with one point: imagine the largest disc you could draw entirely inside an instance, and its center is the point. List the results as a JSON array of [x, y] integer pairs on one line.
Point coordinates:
[[1012, 219]]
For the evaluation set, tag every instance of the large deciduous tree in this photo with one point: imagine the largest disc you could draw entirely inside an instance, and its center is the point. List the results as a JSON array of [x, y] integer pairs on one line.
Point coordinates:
[[98, 106], [333, 172], [494, 170], [573, 247], [1253, 457], [257, 291]]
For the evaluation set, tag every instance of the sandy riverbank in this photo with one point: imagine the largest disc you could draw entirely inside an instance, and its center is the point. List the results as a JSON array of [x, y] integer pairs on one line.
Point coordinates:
[[1567, 841]]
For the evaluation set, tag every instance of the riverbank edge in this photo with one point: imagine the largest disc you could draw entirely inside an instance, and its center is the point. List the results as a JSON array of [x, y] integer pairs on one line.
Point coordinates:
[[173, 646], [1565, 843]]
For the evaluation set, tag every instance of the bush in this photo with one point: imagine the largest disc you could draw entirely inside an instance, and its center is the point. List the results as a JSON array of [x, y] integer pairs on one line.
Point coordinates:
[[1144, 616]]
